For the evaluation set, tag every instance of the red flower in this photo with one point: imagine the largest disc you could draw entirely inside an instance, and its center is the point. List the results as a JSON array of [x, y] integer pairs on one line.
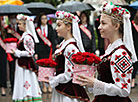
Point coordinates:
[[80, 59], [46, 63], [9, 40], [90, 61]]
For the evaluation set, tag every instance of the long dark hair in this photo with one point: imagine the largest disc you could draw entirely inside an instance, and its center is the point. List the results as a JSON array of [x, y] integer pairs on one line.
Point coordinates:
[[87, 16], [39, 19]]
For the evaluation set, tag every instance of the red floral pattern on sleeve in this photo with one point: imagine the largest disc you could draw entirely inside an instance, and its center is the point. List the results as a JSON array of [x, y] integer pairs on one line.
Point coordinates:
[[29, 44], [121, 68]]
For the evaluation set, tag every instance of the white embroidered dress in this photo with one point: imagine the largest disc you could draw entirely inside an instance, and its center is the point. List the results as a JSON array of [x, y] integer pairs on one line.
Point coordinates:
[[67, 75], [120, 75], [26, 85]]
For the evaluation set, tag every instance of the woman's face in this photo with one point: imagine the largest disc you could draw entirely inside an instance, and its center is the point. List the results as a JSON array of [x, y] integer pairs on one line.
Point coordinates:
[[106, 27], [44, 20], [83, 18], [21, 25], [61, 28]]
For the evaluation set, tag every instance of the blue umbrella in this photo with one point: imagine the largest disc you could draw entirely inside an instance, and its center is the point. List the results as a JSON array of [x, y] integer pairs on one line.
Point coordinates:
[[134, 5]]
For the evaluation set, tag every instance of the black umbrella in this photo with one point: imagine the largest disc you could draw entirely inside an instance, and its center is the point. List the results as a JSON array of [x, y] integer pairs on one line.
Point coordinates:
[[37, 7], [13, 9], [73, 6]]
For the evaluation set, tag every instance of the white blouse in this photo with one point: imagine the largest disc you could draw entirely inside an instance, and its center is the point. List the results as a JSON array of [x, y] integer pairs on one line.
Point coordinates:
[[67, 75]]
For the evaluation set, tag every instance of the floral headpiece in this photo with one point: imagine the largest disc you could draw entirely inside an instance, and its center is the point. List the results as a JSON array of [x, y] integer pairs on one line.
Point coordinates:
[[24, 17], [115, 11], [66, 16]]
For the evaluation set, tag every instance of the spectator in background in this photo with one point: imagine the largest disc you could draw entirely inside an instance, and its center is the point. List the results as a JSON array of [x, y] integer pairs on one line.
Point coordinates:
[[87, 33], [3, 63], [134, 22], [11, 29], [43, 48]]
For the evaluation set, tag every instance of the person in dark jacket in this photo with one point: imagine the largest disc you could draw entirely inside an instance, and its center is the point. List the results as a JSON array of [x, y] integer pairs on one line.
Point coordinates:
[[47, 42], [87, 33]]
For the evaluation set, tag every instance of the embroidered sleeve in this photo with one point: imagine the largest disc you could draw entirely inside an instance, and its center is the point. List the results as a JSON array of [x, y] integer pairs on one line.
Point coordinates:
[[68, 73], [121, 68], [29, 44], [70, 50], [29, 48]]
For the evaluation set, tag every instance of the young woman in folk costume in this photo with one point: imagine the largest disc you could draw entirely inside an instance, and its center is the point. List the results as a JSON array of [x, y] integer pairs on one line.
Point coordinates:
[[115, 70], [46, 36], [26, 87], [63, 88]]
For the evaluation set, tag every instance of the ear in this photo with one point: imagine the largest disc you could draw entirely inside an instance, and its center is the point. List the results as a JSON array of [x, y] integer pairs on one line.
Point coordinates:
[[68, 27], [117, 25]]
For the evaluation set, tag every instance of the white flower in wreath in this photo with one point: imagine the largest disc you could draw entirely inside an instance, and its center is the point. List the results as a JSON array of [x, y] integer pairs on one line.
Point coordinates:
[[109, 8]]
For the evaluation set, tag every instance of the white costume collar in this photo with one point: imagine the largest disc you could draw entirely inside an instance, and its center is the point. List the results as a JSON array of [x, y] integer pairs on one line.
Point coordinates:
[[114, 45], [63, 45]]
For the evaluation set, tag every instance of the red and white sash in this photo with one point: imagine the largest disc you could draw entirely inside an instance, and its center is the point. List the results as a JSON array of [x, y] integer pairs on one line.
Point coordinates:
[[45, 40], [86, 31], [135, 26]]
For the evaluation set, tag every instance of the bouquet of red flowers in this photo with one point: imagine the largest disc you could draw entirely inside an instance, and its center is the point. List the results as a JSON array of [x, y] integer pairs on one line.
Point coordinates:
[[86, 58], [11, 44], [9, 40], [85, 63], [46, 69], [46, 63]]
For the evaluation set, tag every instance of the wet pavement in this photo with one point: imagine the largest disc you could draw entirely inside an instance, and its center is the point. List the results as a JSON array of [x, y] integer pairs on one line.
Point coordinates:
[[47, 96]]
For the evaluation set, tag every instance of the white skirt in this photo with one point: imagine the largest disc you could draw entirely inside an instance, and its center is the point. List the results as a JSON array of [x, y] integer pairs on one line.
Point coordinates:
[[25, 84], [57, 97]]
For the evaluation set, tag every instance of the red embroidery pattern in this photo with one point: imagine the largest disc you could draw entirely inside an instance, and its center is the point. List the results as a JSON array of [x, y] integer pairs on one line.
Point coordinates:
[[128, 80], [69, 70], [112, 63], [116, 70], [27, 85], [123, 75], [73, 50], [124, 85], [117, 57], [117, 80], [124, 53]]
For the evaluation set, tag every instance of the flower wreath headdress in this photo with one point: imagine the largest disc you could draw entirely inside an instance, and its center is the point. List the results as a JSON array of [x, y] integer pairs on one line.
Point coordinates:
[[116, 12], [24, 17], [30, 28], [71, 18], [123, 15], [67, 16]]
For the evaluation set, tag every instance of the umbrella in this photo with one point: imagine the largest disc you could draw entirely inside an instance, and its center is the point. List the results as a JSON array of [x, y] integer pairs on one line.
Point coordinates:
[[73, 6], [134, 5], [13, 2], [13, 9], [37, 7], [100, 2]]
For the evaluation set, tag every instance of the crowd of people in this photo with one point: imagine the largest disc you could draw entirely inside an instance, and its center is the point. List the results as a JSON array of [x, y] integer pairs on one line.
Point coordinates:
[[73, 33]]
